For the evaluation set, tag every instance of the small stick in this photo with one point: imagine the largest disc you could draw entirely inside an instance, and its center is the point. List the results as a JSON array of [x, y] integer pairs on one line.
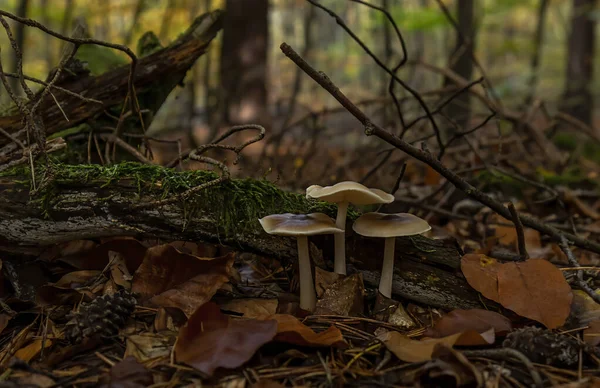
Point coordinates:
[[520, 232]]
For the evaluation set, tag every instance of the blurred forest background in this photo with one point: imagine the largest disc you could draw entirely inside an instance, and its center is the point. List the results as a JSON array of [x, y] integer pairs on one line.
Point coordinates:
[[529, 51]]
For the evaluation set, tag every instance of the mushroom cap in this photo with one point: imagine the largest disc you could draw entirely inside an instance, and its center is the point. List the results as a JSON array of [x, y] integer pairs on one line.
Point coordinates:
[[289, 224], [348, 191], [390, 225]]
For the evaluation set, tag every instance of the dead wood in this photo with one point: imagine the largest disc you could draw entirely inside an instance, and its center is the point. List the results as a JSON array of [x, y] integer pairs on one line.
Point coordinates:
[[155, 76], [426, 268]]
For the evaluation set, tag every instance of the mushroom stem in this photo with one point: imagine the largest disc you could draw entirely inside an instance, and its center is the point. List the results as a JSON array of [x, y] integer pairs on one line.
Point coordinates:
[[387, 271], [339, 265], [308, 296]]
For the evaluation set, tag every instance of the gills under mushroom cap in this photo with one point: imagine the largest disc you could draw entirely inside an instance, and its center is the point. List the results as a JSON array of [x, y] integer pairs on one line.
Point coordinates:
[[289, 224], [390, 225], [352, 192]]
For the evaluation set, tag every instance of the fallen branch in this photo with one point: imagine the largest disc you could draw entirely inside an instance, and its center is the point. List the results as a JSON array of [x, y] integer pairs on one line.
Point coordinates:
[[90, 202]]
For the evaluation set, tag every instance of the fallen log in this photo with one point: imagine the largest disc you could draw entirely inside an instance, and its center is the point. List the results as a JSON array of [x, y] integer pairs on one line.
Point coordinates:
[[155, 77], [91, 201]]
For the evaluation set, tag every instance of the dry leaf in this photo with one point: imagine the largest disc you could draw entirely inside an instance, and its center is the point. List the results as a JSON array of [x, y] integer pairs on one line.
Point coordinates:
[[463, 321], [119, 272], [324, 280], [591, 335], [33, 349], [409, 350], [193, 293], [344, 297], [534, 289], [481, 273], [147, 346], [252, 308], [129, 373], [211, 340], [164, 268], [97, 258], [291, 330]]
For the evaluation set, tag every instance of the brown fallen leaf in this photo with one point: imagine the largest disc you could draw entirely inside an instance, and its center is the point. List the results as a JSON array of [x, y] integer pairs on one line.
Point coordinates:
[[119, 272], [96, 258], [33, 349], [449, 367], [410, 350], [534, 289], [463, 321], [146, 346], [129, 373], [344, 297], [252, 307], [481, 273], [210, 339], [324, 280], [291, 330], [4, 321], [591, 335], [193, 293], [164, 268]]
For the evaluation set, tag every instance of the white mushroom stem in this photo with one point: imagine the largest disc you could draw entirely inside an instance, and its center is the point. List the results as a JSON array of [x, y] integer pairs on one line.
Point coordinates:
[[308, 296], [339, 265], [387, 271]]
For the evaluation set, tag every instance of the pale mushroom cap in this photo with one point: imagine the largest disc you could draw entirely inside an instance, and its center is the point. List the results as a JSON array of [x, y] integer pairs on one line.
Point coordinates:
[[390, 225], [352, 192], [289, 224]]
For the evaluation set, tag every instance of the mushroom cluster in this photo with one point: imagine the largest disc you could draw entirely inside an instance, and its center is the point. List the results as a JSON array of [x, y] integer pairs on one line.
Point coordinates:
[[388, 226]]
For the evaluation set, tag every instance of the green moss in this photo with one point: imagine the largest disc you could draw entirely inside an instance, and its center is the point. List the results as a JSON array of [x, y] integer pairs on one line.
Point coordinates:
[[236, 204], [571, 176]]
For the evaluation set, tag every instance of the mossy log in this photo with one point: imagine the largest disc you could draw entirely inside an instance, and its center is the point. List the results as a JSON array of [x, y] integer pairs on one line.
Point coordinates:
[[155, 77], [90, 201]]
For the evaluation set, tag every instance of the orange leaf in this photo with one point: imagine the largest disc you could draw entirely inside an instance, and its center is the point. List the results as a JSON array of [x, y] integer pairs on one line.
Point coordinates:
[[535, 289], [211, 339], [481, 273], [291, 330]]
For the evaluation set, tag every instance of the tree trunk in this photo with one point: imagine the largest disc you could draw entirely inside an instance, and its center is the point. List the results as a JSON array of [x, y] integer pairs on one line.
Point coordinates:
[[139, 8], [537, 50], [19, 34], [461, 61], [578, 98], [243, 72]]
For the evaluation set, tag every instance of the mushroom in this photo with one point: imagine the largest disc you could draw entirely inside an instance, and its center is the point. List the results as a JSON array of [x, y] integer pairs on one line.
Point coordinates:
[[389, 226], [301, 226], [344, 193]]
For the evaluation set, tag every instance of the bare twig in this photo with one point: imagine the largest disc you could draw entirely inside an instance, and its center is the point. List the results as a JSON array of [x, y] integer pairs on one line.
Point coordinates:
[[520, 233], [426, 157], [564, 246]]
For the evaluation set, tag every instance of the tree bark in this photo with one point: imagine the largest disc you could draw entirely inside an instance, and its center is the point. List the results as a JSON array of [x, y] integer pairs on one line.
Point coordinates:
[[426, 268], [243, 71], [578, 98], [156, 75], [461, 61], [537, 50], [19, 34]]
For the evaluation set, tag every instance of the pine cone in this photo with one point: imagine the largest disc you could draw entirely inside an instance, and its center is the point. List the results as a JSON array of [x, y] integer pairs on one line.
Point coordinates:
[[543, 346], [102, 317]]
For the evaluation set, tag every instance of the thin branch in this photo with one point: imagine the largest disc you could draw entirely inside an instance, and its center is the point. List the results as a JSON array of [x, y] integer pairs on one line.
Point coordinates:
[[426, 157], [520, 232]]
